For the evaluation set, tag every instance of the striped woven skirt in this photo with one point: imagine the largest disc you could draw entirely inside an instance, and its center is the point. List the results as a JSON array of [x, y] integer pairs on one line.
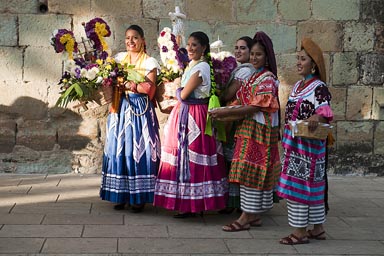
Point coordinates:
[[207, 188], [131, 153], [302, 178]]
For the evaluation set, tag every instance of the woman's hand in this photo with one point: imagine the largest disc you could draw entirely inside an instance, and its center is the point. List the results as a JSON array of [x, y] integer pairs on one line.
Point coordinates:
[[218, 113], [130, 85], [313, 122]]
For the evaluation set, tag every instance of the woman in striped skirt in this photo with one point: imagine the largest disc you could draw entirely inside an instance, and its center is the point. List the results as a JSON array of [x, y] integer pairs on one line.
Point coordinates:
[[302, 181], [255, 165]]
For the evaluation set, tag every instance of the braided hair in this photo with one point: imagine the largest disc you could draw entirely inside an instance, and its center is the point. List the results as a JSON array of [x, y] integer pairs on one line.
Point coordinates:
[[204, 41]]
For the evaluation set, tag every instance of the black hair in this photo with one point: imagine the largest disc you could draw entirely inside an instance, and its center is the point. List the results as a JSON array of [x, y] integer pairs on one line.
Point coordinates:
[[136, 28], [203, 40], [248, 41]]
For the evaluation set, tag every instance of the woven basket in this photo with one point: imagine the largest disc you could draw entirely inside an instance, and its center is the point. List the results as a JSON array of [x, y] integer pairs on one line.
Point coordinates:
[[103, 95], [300, 129], [166, 96]]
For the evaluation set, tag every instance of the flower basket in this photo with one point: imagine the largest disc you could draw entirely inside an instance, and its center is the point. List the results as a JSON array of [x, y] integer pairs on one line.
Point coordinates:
[[166, 95], [103, 95], [300, 129]]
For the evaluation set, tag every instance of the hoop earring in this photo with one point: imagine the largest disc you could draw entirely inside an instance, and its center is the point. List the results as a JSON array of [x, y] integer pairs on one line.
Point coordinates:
[[313, 70]]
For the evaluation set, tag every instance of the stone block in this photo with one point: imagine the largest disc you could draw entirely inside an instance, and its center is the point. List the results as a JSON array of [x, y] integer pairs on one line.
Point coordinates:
[[37, 135], [371, 66], [75, 7], [378, 140], [295, 9], [255, 10], [359, 103], [35, 65], [159, 9], [335, 10], [338, 102], [19, 6], [11, 62], [287, 70], [229, 33], [25, 107], [8, 30], [354, 137], [36, 30], [327, 34], [119, 8], [68, 135], [345, 69], [203, 10], [378, 104], [372, 10], [379, 38], [7, 135], [358, 36]]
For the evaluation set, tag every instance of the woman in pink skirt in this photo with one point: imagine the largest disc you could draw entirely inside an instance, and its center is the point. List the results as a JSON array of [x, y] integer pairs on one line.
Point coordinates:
[[192, 176]]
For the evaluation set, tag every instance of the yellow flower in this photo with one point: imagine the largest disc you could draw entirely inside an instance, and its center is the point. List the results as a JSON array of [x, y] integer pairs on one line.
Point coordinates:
[[108, 67], [99, 62], [69, 43], [101, 31]]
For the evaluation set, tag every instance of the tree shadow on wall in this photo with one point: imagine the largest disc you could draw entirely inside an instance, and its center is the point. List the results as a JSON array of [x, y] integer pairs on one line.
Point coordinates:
[[37, 139]]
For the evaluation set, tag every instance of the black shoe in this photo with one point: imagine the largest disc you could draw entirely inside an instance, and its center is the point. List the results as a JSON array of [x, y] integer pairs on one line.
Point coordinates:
[[119, 207], [227, 210], [136, 208], [184, 215]]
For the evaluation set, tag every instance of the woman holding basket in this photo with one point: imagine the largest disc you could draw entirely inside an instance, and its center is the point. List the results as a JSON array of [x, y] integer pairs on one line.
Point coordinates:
[[302, 180]]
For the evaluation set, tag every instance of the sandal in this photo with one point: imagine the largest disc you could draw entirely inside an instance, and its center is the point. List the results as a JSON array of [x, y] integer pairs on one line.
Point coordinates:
[[235, 227], [255, 223], [119, 207], [136, 208], [184, 215], [288, 240], [320, 236]]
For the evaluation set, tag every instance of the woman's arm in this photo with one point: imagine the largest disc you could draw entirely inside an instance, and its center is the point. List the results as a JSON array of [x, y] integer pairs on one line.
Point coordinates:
[[194, 81], [148, 87], [230, 93], [239, 112]]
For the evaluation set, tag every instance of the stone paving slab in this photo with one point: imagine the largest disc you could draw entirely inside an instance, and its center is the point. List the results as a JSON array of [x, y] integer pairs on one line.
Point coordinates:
[[20, 218], [80, 245], [79, 219], [41, 231], [54, 208], [172, 246], [20, 245], [342, 247], [125, 231]]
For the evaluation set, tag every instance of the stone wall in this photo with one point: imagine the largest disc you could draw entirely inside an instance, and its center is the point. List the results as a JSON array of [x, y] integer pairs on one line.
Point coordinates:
[[37, 137]]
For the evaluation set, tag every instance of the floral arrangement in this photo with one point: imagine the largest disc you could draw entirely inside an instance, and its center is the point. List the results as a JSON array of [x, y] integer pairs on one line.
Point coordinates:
[[85, 73], [173, 58], [63, 40], [223, 64]]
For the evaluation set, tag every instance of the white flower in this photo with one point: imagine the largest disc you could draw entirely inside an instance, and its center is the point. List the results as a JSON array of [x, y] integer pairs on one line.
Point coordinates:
[[99, 79], [69, 64], [92, 73]]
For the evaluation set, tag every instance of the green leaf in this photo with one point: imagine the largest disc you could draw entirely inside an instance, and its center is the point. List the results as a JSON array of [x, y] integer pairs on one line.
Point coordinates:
[[78, 90]]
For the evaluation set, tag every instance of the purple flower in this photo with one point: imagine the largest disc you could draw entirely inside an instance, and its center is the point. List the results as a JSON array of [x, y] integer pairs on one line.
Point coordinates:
[[77, 71], [90, 66], [164, 49], [55, 40], [92, 35]]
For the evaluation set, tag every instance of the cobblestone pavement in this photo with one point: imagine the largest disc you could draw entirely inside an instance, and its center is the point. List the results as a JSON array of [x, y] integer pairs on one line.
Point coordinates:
[[63, 215]]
